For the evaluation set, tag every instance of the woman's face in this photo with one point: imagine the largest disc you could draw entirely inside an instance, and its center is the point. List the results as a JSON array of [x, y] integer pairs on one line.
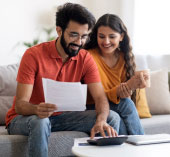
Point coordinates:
[[108, 39]]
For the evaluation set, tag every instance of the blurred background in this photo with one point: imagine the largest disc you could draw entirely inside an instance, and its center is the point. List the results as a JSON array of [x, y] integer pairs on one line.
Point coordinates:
[[24, 23]]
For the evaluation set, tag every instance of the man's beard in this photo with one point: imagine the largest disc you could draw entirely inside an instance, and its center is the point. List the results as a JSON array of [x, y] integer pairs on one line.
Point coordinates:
[[69, 51]]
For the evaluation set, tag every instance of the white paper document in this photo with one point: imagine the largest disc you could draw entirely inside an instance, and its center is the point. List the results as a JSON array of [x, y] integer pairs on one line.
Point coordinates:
[[68, 96]]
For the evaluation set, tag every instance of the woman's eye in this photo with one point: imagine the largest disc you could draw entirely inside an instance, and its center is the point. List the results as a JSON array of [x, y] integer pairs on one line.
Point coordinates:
[[101, 37], [112, 37]]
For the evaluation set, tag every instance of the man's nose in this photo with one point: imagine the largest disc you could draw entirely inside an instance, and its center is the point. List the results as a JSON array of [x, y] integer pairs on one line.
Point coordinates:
[[79, 41]]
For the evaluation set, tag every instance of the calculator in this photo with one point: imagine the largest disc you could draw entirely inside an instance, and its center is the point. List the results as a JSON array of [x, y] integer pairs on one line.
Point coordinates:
[[104, 141]]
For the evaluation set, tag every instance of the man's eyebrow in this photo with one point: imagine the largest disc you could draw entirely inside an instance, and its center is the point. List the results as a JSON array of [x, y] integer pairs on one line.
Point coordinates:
[[78, 33], [74, 33]]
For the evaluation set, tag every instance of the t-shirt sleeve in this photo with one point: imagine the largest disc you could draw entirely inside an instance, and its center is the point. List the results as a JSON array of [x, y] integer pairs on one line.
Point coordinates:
[[27, 68], [91, 73]]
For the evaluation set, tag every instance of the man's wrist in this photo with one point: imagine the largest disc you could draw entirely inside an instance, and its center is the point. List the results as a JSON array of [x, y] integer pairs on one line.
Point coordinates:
[[101, 117]]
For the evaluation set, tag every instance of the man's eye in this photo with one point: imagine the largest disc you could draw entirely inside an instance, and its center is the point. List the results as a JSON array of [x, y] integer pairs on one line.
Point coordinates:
[[84, 37], [73, 35]]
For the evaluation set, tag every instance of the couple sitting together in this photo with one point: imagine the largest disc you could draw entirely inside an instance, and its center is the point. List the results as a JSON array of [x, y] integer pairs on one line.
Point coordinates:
[[98, 54]]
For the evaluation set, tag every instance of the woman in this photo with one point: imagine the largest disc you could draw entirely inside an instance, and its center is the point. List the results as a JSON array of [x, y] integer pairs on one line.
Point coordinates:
[[110, 47]]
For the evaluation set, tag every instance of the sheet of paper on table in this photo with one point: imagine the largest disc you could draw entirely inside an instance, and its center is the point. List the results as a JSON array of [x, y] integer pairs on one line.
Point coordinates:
[[68, 96]]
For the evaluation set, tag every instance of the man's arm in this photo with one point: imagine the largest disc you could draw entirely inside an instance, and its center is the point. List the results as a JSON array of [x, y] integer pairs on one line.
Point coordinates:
[[23, 107], [23, 95], [102, 110], [101, 102]]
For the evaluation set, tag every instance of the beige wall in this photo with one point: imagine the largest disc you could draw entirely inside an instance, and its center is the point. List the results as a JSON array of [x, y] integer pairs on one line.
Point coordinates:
[[123, 8], [23, 20], [100, 7]]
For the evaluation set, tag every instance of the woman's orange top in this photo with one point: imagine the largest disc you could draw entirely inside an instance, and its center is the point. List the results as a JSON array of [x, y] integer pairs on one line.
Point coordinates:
[[110, 77]]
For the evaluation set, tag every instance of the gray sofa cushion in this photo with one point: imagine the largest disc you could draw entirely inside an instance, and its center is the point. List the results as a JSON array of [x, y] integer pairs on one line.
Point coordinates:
[[3, 131], [12, 145], [157, 124], [5, 104], [7, 88], [60, 143], [8, 79], [169, 80]]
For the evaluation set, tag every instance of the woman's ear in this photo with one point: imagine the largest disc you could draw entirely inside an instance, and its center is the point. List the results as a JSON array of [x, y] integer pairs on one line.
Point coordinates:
[[59, 31], [122, 36]]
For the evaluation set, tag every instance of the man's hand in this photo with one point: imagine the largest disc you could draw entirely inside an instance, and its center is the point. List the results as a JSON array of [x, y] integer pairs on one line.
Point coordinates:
[[45, 110], [102, 126], [102, 111]]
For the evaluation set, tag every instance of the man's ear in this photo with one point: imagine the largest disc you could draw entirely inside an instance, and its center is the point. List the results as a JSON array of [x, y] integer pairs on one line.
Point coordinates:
[[59, 31]]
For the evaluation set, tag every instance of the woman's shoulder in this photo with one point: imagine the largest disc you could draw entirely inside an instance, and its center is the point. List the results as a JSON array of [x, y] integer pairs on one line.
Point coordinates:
[[94, 51]]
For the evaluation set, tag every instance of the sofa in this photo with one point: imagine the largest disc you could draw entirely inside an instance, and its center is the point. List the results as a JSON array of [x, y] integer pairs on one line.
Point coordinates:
[[158, 95], [60, 143]]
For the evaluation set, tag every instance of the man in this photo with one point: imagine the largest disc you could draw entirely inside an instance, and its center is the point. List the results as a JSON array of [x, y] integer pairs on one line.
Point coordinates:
[[61, 60]]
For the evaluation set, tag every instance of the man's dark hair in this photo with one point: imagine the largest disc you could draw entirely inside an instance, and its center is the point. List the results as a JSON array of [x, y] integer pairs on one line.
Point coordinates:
[[74, 12]]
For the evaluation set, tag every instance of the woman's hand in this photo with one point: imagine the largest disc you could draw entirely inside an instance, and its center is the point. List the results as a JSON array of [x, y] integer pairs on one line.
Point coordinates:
[[123, 91], [138, 81]]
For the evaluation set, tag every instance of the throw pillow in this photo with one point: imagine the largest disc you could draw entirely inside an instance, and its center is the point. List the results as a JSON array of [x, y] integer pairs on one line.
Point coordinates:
[[8, 79], [141, 104], [158, 95], [169, 80], [5, 104]]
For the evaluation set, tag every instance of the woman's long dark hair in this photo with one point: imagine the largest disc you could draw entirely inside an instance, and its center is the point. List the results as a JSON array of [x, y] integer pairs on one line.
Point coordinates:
[[116, 24]]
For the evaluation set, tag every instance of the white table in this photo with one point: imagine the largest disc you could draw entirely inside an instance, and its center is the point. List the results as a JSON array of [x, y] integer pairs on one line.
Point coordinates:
[[124, 150]]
